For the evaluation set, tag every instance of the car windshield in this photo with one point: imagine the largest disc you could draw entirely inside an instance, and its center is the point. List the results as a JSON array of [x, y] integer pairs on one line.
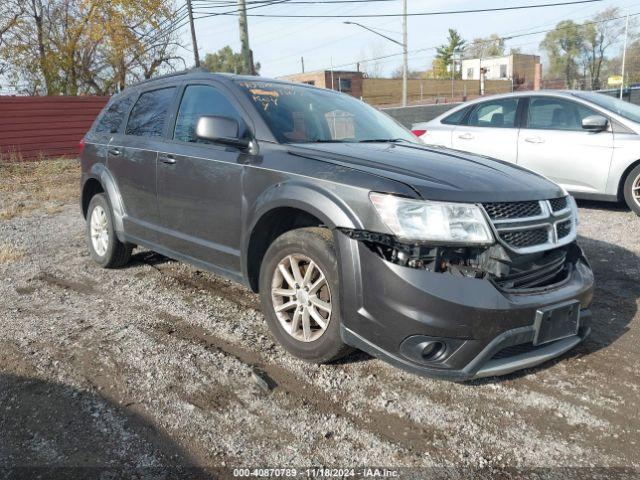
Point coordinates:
[[301, 114], [624, 109]]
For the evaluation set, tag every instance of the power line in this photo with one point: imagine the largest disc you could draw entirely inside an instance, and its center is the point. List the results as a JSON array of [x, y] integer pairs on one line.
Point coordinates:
[[419, 14]]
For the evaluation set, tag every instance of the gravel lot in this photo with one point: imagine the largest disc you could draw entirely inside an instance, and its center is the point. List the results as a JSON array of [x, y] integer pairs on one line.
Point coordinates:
[[151, 366]]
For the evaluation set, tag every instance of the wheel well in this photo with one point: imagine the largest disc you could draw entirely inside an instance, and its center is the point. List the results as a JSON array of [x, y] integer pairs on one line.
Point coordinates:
[[623, 178], [91, 188], [270, 226]]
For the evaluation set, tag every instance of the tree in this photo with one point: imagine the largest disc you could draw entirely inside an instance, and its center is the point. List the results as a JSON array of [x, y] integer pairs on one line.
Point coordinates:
[[75, 47], [563, 46], [11, 12], [226, 60], [492, 46], [445, 53], [412, 74], [599, 35]]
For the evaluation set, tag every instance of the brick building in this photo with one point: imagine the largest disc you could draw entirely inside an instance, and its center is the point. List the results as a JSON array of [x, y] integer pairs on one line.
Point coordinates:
[[344, 81]]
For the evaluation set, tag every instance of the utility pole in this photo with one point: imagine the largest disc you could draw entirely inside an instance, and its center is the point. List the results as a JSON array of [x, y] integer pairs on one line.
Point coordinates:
[[624, 53], [405, 60], [244, 38], [194, 41]]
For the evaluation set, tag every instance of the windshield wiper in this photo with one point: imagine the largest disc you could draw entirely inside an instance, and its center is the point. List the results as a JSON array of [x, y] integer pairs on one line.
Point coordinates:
[[384, 140]]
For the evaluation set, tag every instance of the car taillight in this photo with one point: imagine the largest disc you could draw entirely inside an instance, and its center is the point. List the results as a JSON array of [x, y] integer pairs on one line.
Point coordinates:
[[418, 133], [81, 145]]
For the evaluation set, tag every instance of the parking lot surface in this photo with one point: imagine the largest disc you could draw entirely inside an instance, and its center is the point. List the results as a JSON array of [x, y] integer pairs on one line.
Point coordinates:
[[160, 364]]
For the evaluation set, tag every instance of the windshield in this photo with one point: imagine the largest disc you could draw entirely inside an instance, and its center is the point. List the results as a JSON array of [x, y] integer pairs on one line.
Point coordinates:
[[624, 109], [300, 114]]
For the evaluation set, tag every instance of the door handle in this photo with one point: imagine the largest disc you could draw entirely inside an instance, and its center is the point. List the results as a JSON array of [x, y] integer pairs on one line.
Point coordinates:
[[114, 151], [465, 136], [534, 140], [168, 159]]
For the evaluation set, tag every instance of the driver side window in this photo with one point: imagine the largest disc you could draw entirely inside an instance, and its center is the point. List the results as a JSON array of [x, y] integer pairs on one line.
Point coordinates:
[[199, 100]]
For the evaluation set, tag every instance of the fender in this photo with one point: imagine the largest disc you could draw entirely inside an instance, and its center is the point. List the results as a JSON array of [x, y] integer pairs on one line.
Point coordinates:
[[100, 172], [311, 198]]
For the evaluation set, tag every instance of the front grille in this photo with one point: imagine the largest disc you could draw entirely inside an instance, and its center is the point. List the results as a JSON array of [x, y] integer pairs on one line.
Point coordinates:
[[548, 270], [532, 226], [558, 204], [508, 210], [525, 238], [564, 229]]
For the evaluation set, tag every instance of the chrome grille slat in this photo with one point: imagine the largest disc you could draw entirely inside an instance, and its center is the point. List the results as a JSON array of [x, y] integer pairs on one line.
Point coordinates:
[[532, 226]]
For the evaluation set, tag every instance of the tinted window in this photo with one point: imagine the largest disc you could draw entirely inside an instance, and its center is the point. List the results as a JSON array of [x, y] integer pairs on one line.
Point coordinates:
[[496, 113], [149, 113], [556, 114], [111, 119], [625, 109], [199, 100], [455, 118]]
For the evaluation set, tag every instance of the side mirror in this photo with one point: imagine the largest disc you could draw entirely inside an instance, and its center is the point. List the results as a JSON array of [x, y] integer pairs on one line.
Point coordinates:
[[220, 130], [595, 123]]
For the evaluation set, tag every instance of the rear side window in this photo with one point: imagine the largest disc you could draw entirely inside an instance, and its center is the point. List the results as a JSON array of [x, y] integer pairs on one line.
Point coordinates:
[[456, 117], [149, 113], [113, 116], [496, 113], [199, 100]]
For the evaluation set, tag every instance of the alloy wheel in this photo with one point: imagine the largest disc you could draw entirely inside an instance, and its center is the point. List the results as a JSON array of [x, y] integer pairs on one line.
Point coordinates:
[[99, 230], [635, 190], [301, 297]]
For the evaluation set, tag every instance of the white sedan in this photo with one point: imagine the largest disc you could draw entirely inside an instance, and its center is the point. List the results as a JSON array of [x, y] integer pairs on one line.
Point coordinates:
[[587, 142]]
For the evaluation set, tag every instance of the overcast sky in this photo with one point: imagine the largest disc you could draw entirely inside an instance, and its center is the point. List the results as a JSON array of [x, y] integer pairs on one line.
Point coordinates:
[[278, 43]]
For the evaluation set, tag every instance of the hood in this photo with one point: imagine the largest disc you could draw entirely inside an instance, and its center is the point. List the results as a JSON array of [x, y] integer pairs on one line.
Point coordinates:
[[437, 173]]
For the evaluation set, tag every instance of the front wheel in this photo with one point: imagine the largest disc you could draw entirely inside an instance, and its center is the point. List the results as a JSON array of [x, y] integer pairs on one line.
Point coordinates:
[[632, 190], [104, 247], [299, 291]]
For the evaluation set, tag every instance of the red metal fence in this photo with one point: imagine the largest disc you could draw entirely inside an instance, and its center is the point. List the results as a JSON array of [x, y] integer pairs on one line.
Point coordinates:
[[35, 127]]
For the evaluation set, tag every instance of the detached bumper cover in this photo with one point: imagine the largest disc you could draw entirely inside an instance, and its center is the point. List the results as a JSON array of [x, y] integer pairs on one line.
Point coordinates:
[[387, 305]]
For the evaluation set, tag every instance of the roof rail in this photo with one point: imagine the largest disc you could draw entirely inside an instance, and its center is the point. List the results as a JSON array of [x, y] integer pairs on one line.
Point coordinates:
[[172, 74]]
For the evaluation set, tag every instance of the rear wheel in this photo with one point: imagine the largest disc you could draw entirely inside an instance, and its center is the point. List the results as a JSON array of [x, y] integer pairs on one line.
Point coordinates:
[[104, 247], [632, 190], [299, 291]]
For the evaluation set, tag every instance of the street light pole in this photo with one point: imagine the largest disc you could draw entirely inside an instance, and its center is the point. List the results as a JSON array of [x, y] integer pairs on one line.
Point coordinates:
[[403, 44], [624, 53], [405, 61]]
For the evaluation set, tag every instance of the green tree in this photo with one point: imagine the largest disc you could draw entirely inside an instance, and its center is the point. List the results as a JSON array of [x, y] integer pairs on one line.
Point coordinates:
[[600, 34], [563, 46], [492, 46], [226, 60], [445, 53]]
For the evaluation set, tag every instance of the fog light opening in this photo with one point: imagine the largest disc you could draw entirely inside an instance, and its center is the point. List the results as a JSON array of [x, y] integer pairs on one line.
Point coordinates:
[[432, 350]]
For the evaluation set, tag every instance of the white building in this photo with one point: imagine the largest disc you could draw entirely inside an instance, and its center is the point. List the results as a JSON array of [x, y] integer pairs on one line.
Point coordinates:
[[517, 67]]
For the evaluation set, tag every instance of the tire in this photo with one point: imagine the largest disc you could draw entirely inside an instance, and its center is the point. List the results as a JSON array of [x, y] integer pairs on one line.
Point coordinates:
[[632, 181], [305, 245], [104, 247]]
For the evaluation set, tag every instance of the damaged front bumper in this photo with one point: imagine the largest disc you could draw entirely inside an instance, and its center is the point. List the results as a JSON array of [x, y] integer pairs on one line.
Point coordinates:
[[453, 319]]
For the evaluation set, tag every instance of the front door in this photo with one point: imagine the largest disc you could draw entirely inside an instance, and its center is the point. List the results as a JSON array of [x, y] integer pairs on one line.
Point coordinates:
[[490, 130], [552, 142], [200, 184]]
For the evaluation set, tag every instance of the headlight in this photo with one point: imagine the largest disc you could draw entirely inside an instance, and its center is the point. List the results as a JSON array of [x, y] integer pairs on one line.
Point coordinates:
[[432, 221]]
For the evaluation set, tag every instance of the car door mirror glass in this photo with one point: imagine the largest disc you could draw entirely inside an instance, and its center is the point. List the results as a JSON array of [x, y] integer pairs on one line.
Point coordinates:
[[595, 123], [220, 130]]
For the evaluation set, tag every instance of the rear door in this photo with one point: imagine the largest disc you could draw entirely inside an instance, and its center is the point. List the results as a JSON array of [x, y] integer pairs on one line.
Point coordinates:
[[490, 129], [132, 161], [200, 182], [552, 142]]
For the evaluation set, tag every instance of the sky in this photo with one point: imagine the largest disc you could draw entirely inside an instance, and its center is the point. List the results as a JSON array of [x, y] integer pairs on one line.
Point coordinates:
[[278, 43]]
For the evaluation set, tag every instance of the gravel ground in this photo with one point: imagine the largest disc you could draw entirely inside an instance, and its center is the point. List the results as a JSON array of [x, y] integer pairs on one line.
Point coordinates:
[[152, 366]]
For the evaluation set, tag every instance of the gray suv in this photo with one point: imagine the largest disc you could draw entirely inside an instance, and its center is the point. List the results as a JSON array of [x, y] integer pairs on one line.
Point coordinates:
[[354, 234]]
